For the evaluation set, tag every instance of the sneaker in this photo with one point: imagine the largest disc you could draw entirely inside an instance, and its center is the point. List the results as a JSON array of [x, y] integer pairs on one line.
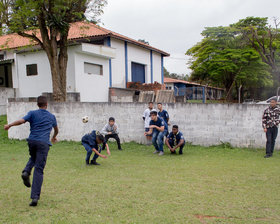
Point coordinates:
[[180, 152], [173, 152], [34, 202], [161, 153], [25, 178], [267, 156], [87, 162], [155, 152], [93, 162], [120, 149]]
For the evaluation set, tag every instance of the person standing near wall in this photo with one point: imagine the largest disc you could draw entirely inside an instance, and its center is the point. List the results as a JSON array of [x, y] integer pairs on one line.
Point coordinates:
[[41, 123], [270, 122], [147, 119], [163, 114]]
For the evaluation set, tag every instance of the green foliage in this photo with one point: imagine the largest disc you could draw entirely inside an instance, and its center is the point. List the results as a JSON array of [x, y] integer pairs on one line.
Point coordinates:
[[223, 58]]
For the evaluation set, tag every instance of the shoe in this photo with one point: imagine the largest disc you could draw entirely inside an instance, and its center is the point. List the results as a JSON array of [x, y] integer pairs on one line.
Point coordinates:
[[155, 152], [34, 202], [180, 152], [25, 178], [87, 162], [161, 153], [267, 156], [120, 149], [93, 162], [173, 152]]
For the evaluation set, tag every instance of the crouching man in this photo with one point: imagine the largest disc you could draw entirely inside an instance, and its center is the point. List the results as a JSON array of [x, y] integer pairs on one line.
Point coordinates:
[[158, 128], [175, 140], [93, 143]]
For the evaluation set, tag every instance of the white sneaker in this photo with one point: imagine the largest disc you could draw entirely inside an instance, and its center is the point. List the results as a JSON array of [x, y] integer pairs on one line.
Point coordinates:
[[161, 153], [155, 152]]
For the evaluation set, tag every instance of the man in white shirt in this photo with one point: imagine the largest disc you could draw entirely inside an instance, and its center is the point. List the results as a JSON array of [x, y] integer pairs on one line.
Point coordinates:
[[147, 119]]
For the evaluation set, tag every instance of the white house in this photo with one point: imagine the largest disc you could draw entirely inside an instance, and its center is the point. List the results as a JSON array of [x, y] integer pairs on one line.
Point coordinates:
[[98, 59]]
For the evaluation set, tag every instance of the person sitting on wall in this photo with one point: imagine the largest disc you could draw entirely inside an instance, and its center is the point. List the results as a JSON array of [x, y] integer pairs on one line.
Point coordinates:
[[110, 130], [175, 140], [158, 129], [92, 143]]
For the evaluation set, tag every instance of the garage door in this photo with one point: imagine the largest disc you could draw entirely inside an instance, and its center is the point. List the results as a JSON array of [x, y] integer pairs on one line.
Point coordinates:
[[138, 72]]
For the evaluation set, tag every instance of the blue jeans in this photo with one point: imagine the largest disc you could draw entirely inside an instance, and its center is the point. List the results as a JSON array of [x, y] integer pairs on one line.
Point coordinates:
[[89, 151], [38, 152], [158, 140]]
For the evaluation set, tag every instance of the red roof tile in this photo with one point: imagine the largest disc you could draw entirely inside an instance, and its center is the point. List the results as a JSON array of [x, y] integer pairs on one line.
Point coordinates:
[[78, 31]]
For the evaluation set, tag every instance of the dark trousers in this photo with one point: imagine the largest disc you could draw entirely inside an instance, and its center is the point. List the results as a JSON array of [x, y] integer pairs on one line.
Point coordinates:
[[38, 152], [171, 143], [271, 136], [115, 136], [88, 148]]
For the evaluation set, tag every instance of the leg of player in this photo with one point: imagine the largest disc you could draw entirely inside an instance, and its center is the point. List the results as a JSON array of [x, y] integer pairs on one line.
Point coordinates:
[[160, 138], [105, 142], [89, 152], [154, 141], [118, 141], [95, 157], [181, 149]]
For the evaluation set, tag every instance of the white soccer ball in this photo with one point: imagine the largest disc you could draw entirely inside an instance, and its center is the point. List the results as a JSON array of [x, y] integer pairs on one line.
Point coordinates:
[[85, 119]]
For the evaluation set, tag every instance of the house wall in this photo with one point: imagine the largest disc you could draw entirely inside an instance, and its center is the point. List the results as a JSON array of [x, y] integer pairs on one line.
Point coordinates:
[[157, 67], [201, 124], [5, 93], [92, 88], [118, 64], [32, 86]]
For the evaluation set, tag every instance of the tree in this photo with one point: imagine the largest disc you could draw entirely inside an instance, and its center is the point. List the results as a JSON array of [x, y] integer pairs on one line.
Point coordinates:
[[264, 38], [223, 59], [48, 23]]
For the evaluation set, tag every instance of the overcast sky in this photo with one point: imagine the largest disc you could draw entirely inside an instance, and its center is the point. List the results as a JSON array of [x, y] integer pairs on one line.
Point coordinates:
[[175, 25]]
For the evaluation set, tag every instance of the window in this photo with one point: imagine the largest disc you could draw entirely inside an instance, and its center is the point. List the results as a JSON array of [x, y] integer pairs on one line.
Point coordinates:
[[31, 70], [1, 56], [93, 69]]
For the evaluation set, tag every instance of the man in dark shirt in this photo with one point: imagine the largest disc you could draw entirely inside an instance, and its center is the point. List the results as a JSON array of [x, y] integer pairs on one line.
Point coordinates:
[[175, 140], [41, 123], [163, 114], [159, 129], [270, 122], [93, 143]]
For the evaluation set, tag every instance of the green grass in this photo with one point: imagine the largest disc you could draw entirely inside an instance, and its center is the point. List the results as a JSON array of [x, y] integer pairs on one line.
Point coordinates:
[[204, 185]]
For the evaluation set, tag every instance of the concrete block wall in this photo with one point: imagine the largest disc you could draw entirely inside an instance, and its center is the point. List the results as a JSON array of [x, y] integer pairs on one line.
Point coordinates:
[[201, 124], [5, 93]]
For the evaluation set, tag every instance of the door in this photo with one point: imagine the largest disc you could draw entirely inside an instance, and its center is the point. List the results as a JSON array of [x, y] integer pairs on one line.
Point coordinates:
[[138, 72]]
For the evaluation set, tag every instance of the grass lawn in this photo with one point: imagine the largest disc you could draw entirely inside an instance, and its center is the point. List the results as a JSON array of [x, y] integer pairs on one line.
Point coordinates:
[[204, 185]]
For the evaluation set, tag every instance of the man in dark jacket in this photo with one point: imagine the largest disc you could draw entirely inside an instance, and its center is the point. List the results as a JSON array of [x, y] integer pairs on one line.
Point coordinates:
[[270, 122]]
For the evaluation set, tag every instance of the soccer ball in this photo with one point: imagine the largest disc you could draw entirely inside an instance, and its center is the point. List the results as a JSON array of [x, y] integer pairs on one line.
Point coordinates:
[[85, 119]]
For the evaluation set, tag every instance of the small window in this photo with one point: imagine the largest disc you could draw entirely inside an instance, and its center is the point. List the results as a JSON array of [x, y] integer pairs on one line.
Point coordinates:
[[31, 70], [1, 56], [93, 69]]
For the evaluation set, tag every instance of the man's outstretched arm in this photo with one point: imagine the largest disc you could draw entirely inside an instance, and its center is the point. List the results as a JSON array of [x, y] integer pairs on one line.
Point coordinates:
[[15, 123]]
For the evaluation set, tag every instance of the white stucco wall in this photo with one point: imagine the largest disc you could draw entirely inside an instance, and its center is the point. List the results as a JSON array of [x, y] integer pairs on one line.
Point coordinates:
[[32, 86], [118, 64], [92, 88], [157, 67]]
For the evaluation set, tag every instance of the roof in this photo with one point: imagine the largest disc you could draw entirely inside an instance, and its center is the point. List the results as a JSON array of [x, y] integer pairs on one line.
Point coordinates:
[[170, 80], [78, 31]]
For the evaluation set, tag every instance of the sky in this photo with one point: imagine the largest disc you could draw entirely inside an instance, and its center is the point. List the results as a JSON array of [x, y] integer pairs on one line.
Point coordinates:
[[175, 26]]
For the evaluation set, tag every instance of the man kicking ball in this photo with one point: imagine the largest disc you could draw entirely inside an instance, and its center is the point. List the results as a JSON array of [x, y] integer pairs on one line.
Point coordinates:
[[41, 123], [159, 129], [175, 140], [93, 143]]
